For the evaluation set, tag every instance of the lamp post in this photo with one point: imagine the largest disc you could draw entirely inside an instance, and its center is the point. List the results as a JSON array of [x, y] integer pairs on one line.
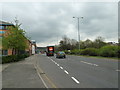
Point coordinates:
[[78, 30]]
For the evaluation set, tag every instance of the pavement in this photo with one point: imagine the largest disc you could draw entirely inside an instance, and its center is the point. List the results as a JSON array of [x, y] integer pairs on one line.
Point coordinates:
[[22, 74]]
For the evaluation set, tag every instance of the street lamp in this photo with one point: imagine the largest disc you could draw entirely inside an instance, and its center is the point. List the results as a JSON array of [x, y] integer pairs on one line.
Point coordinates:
[[78, 30]]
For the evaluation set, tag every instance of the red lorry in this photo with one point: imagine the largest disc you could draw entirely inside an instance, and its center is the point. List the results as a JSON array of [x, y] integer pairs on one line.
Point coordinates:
[[50, 51]]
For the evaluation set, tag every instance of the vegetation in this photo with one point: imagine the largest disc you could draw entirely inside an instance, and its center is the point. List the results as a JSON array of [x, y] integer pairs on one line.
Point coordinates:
[[91, 48], [109, 51], [13, 58], [15, 39], [89, 51]]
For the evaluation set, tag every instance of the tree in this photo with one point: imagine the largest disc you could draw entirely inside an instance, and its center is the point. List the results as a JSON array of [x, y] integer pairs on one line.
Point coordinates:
[[99, 42], [15, 38], [88, 43], [68, 44], [73, 44], [64, 43]]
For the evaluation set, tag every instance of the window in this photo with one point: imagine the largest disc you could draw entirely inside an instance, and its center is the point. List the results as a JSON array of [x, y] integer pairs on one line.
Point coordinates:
[[4, 52], [3, 27], [1, 32]]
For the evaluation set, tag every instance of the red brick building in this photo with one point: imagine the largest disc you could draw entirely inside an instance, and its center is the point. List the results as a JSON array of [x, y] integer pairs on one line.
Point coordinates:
[[3, 29]]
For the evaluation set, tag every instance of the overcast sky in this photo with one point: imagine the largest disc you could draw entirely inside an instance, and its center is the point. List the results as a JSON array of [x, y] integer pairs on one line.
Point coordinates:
[[48, 22]]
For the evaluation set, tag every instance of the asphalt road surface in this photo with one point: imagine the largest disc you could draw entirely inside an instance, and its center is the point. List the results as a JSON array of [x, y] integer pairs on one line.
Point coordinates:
[[79, 72], [41, 71]]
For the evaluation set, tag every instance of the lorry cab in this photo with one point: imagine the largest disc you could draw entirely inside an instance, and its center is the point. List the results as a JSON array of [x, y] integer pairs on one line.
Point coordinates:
[[50, 51]]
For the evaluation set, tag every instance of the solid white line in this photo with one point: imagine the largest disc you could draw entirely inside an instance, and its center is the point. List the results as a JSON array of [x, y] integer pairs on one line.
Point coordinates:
[[61, 67], [66, 72], [75, 80]]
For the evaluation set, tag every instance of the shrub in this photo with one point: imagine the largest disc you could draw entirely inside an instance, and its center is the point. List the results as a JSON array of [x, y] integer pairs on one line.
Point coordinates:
[[13, 58], [109, 51], [89, 51], [75, 51], [67, 52], [26, 55]]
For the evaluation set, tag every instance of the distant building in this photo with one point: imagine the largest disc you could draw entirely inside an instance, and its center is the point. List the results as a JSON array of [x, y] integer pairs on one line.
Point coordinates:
[[41, 49], [29, 49], [34, 47], [112, 43]]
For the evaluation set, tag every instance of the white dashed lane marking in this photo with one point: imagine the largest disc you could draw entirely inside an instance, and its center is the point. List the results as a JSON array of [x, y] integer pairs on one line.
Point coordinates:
[[61, 67], [117, 70], [58, 65], [90, 63], [66, 72], [75, 80]]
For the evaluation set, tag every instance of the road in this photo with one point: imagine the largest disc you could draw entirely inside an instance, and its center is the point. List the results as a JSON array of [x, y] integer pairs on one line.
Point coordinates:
[[71, 72], [80, 72]]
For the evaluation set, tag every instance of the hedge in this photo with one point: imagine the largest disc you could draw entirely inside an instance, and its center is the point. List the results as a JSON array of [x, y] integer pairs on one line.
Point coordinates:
[[89, 51], [13, 58], [75, 51], [105, 51], [109, 51]]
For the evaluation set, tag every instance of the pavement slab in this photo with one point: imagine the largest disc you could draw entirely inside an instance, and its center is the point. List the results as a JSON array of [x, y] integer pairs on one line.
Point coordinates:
[[21, 75]]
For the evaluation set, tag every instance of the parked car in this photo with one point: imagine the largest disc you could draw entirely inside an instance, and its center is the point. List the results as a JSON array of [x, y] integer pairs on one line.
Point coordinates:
[[60, 54]]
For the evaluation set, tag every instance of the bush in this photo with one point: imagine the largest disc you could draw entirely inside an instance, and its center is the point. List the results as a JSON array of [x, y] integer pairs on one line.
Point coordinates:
[[89, 51], [105, 51], [67, 52], [75, 51], [13, 58], [109, 51]]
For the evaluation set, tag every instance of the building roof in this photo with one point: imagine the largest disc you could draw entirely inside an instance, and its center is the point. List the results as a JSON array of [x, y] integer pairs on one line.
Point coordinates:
[[5, 23]]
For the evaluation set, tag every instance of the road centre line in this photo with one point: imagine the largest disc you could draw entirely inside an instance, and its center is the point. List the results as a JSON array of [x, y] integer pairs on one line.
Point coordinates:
[[89, 63], [117, 70], [66, 72], [61, 67], [58, 65], [55, 63], [75, 80]]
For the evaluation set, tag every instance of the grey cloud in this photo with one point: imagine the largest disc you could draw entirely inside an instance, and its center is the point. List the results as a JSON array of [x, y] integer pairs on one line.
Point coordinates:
[[44, 22]]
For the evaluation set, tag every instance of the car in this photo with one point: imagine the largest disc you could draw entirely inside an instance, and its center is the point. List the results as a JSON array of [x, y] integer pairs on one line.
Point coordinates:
[[60, 54]]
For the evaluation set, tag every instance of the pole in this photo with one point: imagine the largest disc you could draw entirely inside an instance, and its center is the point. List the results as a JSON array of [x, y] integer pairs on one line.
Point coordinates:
[[78, 30], [78, 34]]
